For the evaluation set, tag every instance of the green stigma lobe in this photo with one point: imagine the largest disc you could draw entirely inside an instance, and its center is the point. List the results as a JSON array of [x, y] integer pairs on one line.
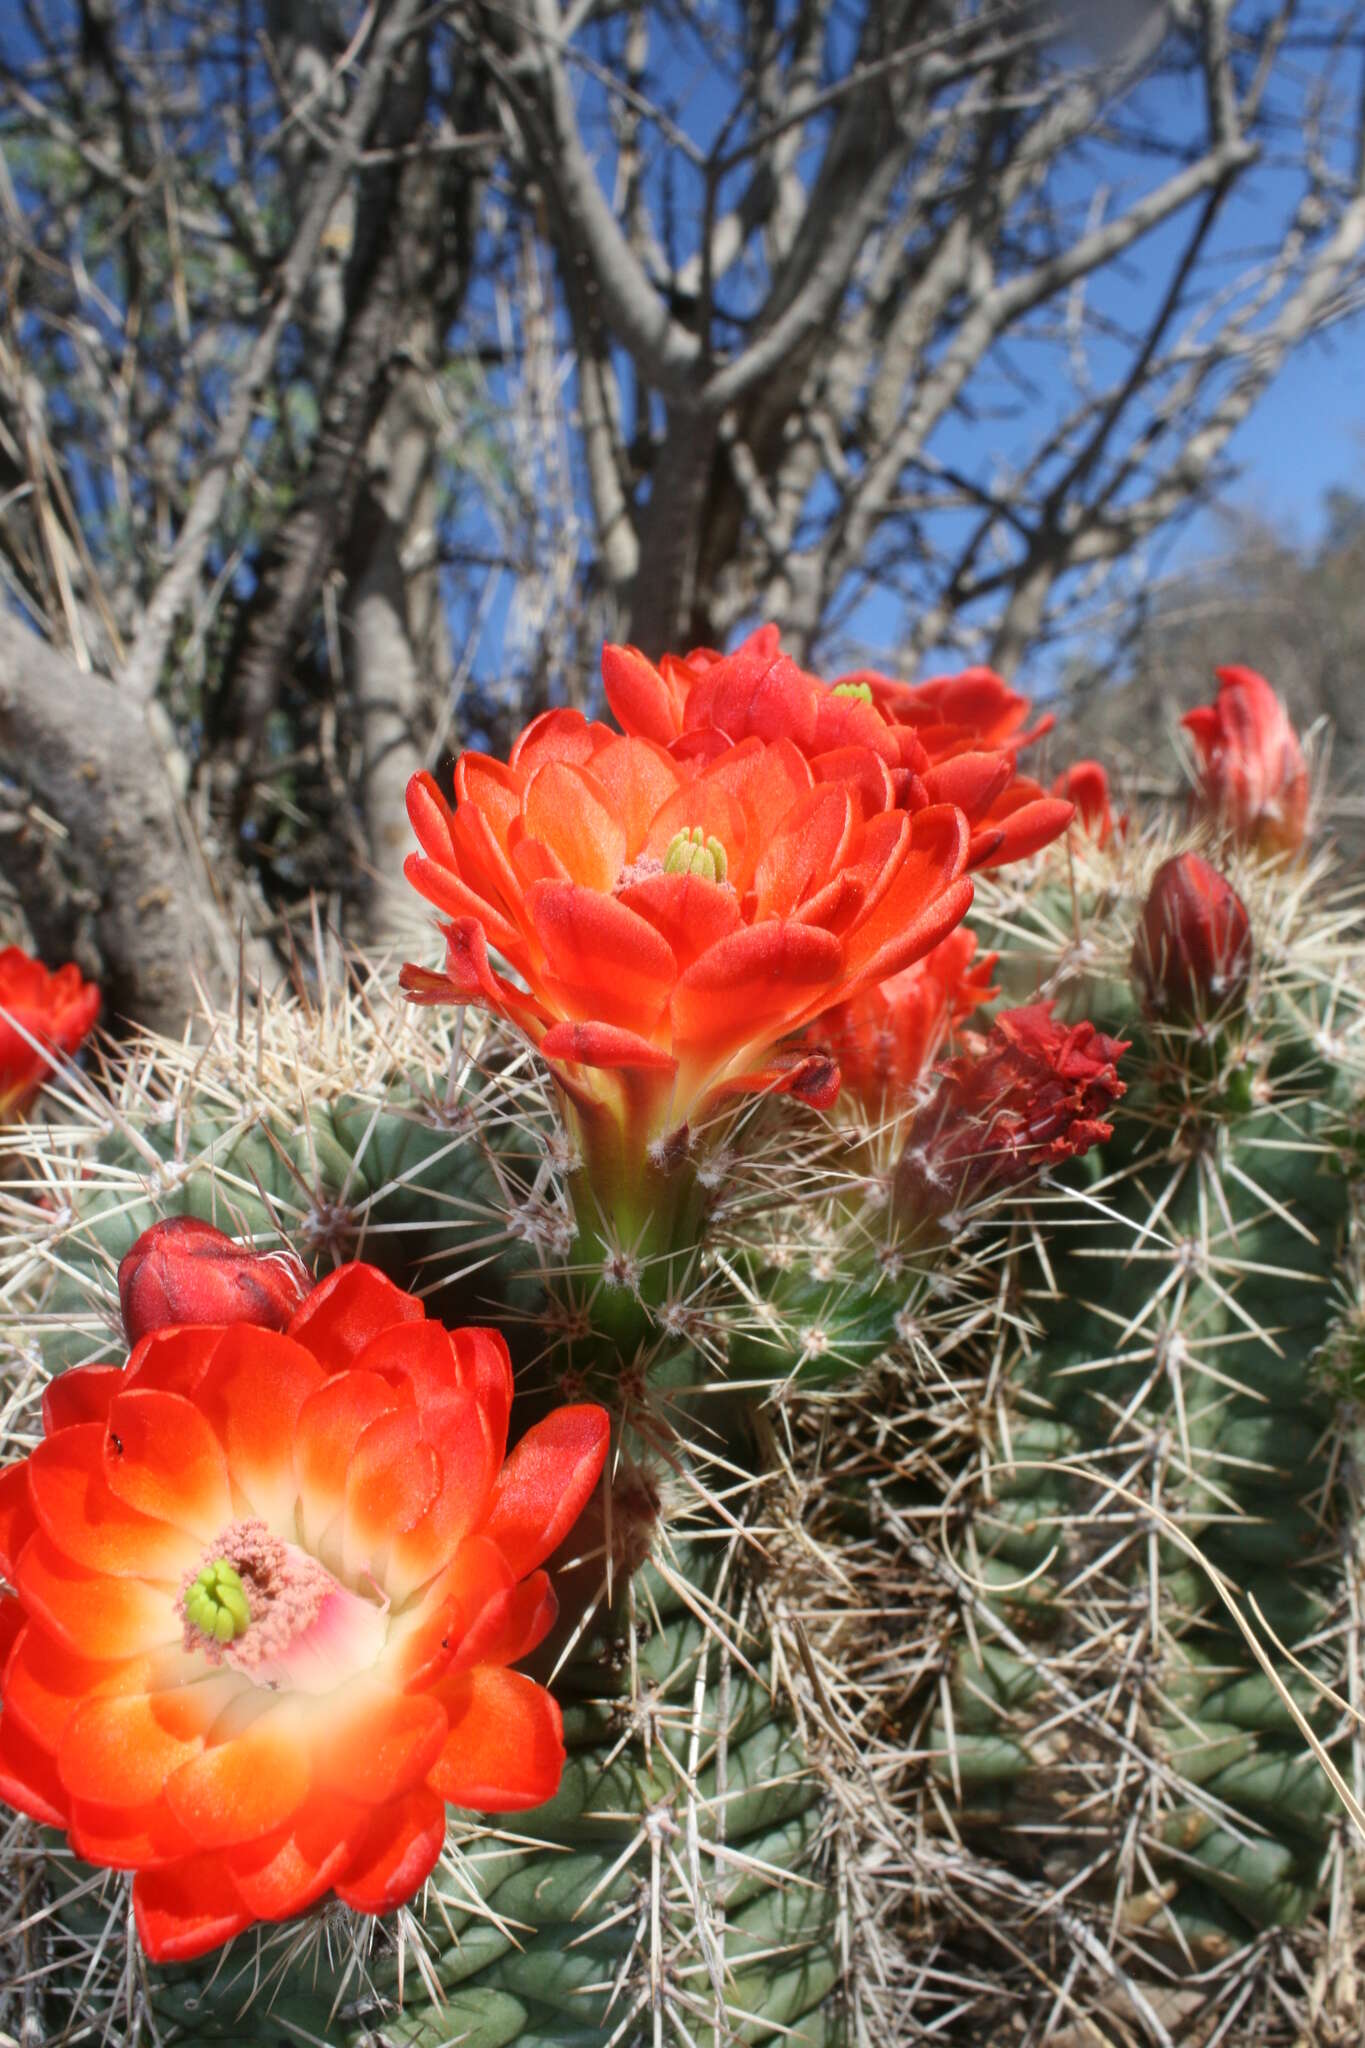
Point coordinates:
[[217, 1602], [691, 853], [863, 691]]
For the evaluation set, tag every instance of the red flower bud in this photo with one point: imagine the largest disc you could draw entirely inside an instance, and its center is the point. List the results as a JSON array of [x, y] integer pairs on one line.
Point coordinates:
[[1032, 1093], [1086, 785], [185, 1271], [1193, 950], [1253, 780], [43, 1013]]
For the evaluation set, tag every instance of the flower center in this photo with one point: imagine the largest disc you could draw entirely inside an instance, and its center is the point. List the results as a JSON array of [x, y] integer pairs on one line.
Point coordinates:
[[271, 1611], [862, 691], [692, 853]]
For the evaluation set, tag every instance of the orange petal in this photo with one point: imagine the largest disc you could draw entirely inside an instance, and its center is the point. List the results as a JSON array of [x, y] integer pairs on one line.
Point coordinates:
[[28, 1776], [424, 1638], [429, 814], [809, 847], [162, 1458], [908, 915], [393, 1478], [542, 1488], [186, 1909], [971, 781], [377, 1743], [121, 1750], [640, 699], [751, 984], [347, 1311], [247, 1786], [1027, 829], [16, 1515], [510, 1626], [174, 1359], [127, 1837], [285, 1873], [638, 778], [688, 912], [328, 1426], [505, 1749], [396, 1854], [251, 1395], [92, 1614], [612, 964], [560, 735], [567, 810], [603, 1045], [91, 1525]]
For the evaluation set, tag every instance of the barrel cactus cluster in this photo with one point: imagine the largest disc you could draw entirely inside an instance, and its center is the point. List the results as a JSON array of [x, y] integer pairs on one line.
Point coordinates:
[[761, 1449]]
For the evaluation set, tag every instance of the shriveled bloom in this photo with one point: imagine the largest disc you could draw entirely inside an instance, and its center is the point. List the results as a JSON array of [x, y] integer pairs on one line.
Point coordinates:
[[1028, 1095], [671, 914], [953, 740], [44, 1012], [886, 1039], [268, 1588], [1193, 952], [1086, 785], [182, 1270], [1253, 778]]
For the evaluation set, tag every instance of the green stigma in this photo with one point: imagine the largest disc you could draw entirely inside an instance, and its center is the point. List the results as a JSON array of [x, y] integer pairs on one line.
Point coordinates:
[[691, 853], [217, 1602], [862, 691]]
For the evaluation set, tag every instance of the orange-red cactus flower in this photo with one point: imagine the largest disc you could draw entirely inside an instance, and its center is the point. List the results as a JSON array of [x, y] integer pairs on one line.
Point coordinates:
[[1030, 1094], [44, 1012], [889, 1036], [953, 740], [182, 1270], [1086, 785], [268, 1589], [1253, 778], [1193, 952], [668, 920]]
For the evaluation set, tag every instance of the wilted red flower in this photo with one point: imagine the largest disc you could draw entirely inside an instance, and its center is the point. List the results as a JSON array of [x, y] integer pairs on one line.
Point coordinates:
[[952, 740], [1254, 780], [1030, 1094], [891, 1033], [671, 919], [1086, 785], [1194, 948], [184, 1271], [43, 1012], [269, 1586]]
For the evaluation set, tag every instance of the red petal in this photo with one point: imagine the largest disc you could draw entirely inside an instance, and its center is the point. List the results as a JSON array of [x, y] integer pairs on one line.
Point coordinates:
[[609, 961], [640, 699], [328, 1427], [16, 1515], [425, 1637], [747, 988], [542, 1488], [120, 1750], [174, 1359], [127, 1837], [430, 816], [347, 1311], [505, 1749], [971, 781], [91, 1525], [639, 779], [81, 1394], [602, 1045], [285, 1873], [560, 735], [28, 1776], [565, 808], [396, 1854], [1028, 829], [251, 1395], [808, 849], [512, 1623], [393, 1478], [162, 1458], [187, 1909]]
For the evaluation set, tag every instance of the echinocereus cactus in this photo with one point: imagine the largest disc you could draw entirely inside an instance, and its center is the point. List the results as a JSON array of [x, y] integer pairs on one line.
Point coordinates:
[[813, 1750]]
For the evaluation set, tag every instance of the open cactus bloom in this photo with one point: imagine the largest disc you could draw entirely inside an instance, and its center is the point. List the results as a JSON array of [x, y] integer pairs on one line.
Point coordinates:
[[1253, 781], [669, 915], [269, 1585], [44, 1013], [954, 739]]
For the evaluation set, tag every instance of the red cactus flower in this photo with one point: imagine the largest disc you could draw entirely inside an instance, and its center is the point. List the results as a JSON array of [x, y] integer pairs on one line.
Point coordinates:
[[953, 740], [1030, 1094], [269, 1586], [184, 1271], [1194, 948], [889, 1036], [1086, 785], [1253, 781], [670, 919], [44, 1012]]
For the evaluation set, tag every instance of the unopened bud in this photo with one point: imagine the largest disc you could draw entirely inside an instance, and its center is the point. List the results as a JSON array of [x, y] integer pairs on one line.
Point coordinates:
[[185, 1271], [1194, 949]]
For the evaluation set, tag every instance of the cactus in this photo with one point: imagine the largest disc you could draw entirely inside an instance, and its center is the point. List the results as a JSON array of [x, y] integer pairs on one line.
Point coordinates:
[[888, 1655]]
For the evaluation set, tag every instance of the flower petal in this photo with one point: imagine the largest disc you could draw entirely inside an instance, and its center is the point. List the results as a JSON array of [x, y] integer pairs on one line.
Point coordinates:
[[328, 1427], [81, 1394], [377, 1743], [162, 1458], [28, 1776], [16, 1516], [284, 1873], [186, 1909], [251, 1396], [565, 808], [91, 1525], [247, 1786], [94, 1615], [127, 1837], [505, 1749], [347, 1311], [542, 1489], [749, 985], [511, 1625], [610, 963], [396, 1854], [120, 1750]]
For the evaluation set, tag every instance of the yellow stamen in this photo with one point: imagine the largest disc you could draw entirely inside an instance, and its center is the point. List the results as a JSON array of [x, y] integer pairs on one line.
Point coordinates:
[[217, 1602], [691, 853], [863, 691]]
